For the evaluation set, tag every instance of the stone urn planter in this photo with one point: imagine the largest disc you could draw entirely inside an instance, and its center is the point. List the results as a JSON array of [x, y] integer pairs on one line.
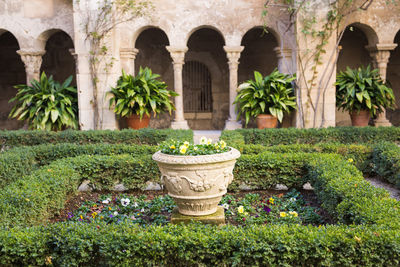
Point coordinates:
[[197, 183]]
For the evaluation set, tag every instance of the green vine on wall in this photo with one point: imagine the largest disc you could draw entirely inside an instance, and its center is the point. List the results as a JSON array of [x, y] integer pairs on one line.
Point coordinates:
[[317, 32], [98, 25]]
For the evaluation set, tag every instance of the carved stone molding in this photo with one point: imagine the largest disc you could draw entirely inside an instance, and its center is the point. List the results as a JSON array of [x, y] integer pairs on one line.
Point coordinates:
[[32, 60], [128, 53], [177, 54], [233, 55], [214, 158]]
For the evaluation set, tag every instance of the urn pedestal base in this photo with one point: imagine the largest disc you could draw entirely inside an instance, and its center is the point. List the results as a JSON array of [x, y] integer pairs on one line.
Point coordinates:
[[217, 218]]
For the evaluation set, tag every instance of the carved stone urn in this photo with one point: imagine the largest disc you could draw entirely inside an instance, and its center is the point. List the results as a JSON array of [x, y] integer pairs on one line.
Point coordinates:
[[197, 183]]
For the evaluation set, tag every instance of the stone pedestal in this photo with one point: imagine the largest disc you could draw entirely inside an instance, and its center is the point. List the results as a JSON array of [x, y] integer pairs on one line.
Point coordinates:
[[217, 218]]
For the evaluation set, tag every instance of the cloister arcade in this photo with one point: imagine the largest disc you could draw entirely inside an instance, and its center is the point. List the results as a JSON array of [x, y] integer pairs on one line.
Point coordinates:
[[202, 57]]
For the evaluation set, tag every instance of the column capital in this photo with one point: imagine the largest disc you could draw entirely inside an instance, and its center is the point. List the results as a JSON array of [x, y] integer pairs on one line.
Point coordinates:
[[381, 47], [31, 59], [128, 53], [233, 53], [177, 54], [283, 52]]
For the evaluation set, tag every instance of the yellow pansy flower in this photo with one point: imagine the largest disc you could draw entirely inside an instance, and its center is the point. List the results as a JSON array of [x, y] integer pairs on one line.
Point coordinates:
[[271, 200], [223, 144], [293, 213], [282, 214], [186, 144], [172, 147], [182, 149], [209, 141], [240, 209]]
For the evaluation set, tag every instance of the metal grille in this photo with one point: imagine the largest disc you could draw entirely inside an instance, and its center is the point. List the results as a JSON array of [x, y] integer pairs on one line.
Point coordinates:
[[196, 87]]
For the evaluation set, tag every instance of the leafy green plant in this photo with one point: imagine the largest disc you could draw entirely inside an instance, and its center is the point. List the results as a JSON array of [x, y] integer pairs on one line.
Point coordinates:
[[206, 147], [47, 104], [363, 89], [141, 94], [272, 95]]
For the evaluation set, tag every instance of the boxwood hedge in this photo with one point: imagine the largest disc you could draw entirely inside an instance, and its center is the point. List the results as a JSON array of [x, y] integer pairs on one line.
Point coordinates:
[[368, 233], [143, 136], [285, 136]]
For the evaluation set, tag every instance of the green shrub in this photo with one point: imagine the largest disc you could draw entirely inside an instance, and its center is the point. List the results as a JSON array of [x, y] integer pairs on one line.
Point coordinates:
[[32, 199], [176, 245], [285, 136], [386, 159], [20, 161], [142, 136]]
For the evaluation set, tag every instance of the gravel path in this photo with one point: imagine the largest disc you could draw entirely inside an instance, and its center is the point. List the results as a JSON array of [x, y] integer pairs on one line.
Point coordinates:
[[394, 191]]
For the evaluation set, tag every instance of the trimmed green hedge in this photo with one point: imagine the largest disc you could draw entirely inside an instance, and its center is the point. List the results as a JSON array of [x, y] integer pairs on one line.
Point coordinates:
[[142, 136], [21, 161], [386, 159], [32, 199], [199, 245], [285, 136]]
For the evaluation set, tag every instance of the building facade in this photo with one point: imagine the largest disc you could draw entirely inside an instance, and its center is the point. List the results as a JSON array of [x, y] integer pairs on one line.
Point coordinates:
[[202, 49]]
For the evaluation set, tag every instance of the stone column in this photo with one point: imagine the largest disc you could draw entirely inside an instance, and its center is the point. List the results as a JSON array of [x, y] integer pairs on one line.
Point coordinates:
[[128, 56], [178, 59], [233, 55], [33, 62], [285, 61], [380, 54]]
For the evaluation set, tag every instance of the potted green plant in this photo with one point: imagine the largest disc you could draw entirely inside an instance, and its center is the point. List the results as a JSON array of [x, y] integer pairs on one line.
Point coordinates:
[[135, 97], [196, 176], [46, 104], [266, 98], [362, 93]]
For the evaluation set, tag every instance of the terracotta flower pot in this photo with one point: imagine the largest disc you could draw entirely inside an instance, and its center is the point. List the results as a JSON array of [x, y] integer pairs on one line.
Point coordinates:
[[197, 183], [134, 121], [266, 121], [360, 118]]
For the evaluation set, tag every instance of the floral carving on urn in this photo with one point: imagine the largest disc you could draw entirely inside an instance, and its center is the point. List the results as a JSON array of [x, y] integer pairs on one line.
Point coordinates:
[[197, 183]]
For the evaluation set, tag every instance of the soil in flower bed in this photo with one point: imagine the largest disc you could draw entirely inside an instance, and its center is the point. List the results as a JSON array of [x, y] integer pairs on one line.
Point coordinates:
[[154, 207]]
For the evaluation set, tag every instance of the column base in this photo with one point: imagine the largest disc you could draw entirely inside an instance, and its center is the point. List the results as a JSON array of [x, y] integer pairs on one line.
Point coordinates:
[[382, 122], [232, 125], [180, 125]]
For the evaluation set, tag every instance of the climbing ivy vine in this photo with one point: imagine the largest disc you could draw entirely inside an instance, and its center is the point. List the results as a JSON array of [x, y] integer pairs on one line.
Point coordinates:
[[98, 25]]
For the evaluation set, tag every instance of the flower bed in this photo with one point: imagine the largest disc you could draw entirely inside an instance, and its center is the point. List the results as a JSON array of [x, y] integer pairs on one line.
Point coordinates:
[[259, 208]]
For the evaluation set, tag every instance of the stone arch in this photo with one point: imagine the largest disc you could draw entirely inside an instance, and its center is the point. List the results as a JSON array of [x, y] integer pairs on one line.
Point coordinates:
[[268, 30], [205, 45], [258, 55], [152, 53], [12, 72], [353, 54], [139, 31], [211, 27], [393, 78], [368, 30], [42, 38], [58, 60]]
